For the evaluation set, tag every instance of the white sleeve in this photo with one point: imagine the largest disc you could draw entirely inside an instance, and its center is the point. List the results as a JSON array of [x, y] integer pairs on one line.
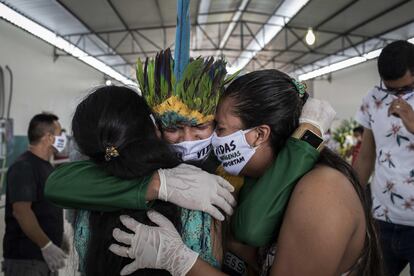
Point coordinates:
[[363, 115]]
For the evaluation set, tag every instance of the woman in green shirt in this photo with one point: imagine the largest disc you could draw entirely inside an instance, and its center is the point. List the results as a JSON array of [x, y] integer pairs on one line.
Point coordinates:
[[323, 225]]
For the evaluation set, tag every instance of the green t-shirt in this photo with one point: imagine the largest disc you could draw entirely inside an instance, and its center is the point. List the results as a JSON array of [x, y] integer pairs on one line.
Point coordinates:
[[262, 202], [83, 185]]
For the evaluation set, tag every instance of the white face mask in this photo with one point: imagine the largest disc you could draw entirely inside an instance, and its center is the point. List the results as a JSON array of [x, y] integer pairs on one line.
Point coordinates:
[[233, 151], [197, 150], [60, 142]]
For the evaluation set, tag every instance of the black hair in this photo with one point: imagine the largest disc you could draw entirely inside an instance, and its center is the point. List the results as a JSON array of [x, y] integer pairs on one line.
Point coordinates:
[[102, 262], [40, 125], [271, 97], [358, 129], [114, 116], [395, 59], [118, 117], [267, 97]]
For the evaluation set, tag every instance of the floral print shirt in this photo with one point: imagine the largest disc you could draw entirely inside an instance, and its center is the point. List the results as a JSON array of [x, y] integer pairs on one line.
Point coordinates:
[[392, 186]]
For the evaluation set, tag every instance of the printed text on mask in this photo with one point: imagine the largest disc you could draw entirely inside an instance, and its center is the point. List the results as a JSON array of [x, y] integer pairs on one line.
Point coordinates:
[[230, 154]]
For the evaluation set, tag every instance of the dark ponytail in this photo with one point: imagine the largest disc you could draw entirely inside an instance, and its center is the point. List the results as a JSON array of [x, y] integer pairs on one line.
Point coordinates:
[[271, 97], [118, 117]]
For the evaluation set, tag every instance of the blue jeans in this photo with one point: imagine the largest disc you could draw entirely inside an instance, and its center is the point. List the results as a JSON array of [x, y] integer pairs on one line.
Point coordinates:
[[397, 243]]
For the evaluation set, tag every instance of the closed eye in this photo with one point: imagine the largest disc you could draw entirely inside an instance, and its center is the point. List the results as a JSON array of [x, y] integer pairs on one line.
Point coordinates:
[[171, 129], [202, 127]]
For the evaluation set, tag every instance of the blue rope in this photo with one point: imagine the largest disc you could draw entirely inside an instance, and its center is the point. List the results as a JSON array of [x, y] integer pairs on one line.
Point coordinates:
[[182, 39]]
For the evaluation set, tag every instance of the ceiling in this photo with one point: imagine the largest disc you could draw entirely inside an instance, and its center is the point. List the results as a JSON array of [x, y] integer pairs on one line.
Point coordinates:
[[118, 31]]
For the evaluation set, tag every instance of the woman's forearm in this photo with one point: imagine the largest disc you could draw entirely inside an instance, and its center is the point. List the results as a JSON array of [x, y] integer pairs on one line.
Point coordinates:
[[153, 187]]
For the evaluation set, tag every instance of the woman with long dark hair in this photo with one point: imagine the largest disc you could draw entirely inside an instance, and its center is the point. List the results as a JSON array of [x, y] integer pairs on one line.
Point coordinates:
[[114, 127], [325, 226]]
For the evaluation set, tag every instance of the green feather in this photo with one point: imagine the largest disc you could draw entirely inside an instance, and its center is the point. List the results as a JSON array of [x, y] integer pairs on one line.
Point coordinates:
[[200, 88]]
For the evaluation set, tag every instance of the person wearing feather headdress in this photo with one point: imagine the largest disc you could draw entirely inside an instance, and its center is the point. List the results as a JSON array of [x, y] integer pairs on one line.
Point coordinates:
[[174, 115], [184, 111]]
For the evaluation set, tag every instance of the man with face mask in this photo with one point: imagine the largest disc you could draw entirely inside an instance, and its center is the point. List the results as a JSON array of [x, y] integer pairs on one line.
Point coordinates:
[[34, 227], [386, 113]]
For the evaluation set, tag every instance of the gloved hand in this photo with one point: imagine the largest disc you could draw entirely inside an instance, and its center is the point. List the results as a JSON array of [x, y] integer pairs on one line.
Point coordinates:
[[192, 188], [54, 256], [153, 247], [318, 113]]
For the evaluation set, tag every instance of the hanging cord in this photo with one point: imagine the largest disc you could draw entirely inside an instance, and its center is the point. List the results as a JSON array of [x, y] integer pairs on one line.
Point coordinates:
[[3, 172], [2, 93], [2, 97], [10, 91]]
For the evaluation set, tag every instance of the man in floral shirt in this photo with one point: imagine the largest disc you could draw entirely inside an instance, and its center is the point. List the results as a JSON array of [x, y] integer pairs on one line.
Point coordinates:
[[388, 146]]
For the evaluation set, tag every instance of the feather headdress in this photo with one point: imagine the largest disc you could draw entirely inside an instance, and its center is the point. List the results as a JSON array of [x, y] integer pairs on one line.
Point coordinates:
[[193, 99]]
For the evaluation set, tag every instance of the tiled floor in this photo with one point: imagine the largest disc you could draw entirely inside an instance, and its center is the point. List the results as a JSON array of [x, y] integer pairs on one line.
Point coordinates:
[[70, 269]]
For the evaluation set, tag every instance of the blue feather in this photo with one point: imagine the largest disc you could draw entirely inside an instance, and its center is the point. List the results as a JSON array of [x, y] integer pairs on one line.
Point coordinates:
[[182, 38]]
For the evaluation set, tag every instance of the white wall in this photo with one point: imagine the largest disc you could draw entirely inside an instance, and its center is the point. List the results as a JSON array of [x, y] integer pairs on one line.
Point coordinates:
[[347, 88], [39, 83]]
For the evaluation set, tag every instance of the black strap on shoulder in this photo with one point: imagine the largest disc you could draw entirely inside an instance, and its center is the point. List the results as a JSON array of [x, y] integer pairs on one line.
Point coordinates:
[[233, 265]]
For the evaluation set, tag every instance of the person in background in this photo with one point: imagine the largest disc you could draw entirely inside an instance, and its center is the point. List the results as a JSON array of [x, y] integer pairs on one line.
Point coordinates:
[[357, 133], [34, 227], [330, 142], [387, 146]]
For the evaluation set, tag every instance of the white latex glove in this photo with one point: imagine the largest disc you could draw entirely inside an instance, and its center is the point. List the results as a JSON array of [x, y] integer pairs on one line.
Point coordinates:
[[192, 188], [153, 247], [54, 256], [318, 113]]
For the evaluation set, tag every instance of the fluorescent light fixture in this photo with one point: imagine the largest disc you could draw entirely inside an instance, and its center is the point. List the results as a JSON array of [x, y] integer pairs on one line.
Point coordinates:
[[373, 54], [343, 64], [331, 68], [310, 37], [41, 32], [269, 30]]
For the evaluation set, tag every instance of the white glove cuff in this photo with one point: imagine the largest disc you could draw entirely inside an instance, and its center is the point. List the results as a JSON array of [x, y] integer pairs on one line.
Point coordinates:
[[162, 193], [46, 246], [189, 257], [312, 122]]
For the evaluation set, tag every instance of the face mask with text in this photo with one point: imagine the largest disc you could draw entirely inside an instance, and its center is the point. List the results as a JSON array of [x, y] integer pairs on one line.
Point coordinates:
[[233, 151]]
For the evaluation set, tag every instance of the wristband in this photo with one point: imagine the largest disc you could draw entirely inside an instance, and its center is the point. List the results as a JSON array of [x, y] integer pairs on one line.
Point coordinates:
[[46, 246], [308, 136], [162, 193], [233, 265]]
